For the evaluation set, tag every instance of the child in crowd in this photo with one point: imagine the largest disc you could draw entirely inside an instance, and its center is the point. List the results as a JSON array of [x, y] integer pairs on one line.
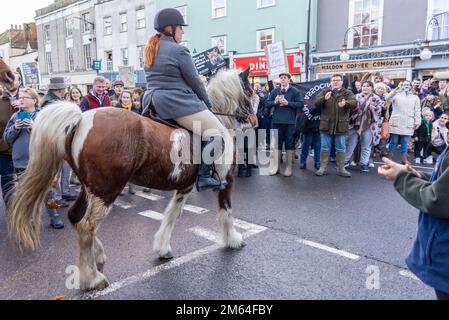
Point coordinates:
[[423, 136]]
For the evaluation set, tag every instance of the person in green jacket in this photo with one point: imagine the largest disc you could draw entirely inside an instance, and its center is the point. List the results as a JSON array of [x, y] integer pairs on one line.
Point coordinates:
[[335, 103], [429, 259]]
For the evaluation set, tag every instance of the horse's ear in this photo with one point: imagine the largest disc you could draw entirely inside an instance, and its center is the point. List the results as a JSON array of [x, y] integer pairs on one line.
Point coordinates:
[[245, 74]]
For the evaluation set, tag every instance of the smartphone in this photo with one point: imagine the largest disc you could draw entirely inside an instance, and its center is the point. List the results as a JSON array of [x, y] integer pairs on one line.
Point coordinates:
[[22, 115]]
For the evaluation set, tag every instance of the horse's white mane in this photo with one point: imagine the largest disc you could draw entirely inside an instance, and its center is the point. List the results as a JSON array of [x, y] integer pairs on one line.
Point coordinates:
[[226, 93]]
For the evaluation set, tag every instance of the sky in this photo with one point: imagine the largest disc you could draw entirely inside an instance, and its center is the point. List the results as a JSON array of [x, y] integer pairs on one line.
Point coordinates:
[[17, 12]]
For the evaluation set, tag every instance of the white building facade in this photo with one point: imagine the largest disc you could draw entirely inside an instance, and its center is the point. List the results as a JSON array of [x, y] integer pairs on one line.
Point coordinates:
[[123, 29], [66, 41]]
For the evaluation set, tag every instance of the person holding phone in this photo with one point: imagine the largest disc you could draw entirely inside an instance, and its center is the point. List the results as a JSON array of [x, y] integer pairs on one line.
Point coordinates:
[[18, 134]]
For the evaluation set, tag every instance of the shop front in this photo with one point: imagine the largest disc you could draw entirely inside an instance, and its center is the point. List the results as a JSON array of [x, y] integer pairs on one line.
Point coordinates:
[[391, 68], [259, 65]]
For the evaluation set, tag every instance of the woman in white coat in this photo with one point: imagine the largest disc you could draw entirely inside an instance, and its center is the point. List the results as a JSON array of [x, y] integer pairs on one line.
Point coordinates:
[[405, 118]]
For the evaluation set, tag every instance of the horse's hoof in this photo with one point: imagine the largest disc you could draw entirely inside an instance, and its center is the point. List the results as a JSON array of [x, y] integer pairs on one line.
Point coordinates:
[[167, 256], [102, 285]]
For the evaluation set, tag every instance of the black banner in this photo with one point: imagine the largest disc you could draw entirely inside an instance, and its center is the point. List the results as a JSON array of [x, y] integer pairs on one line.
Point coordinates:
[[209, 62]]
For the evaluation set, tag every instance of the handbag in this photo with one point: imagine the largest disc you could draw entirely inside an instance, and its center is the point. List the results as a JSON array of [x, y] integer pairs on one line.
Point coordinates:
[[385, 127]]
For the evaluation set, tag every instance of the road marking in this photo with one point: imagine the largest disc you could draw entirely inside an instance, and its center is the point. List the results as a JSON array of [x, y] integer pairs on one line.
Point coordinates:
[[409, 274], [152, 215], [195, 209], [149, 196], [150, 273], [329, 249], [177, 262], [123, 204], [207, 234]]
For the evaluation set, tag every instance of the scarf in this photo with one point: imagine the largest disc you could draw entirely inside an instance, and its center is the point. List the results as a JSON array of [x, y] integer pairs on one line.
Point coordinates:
[[127, 106]]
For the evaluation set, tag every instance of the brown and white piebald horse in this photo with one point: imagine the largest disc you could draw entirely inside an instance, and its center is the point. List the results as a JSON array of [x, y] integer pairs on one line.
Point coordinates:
[[107, 147]]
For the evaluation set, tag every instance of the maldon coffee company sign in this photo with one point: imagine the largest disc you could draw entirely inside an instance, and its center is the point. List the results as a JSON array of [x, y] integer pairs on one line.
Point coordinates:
[[365, 65]]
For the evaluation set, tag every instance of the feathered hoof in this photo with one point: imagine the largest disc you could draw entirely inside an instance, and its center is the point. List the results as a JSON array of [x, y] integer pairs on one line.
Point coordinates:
[[99, 283], [236, 242]]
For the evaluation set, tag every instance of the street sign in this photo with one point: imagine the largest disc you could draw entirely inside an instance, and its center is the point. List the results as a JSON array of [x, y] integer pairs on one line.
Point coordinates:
[[96, 65]]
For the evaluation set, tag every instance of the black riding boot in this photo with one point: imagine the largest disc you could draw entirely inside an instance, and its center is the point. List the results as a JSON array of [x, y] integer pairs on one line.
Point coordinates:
[[204, 179]]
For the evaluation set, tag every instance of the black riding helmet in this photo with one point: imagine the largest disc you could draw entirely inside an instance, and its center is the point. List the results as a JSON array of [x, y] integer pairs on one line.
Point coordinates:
[[168, 17]]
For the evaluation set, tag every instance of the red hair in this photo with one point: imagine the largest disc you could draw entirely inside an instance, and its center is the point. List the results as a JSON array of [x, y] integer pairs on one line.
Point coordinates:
[[151, 49]]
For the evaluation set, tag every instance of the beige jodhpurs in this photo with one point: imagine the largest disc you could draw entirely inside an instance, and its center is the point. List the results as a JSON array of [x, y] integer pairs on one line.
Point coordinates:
[[205, 121]]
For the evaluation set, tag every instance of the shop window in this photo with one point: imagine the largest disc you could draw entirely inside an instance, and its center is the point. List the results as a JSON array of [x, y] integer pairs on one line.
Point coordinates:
[[366, 18], [438, 9]]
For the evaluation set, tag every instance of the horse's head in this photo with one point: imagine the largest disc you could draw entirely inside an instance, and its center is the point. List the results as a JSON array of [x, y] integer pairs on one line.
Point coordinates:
[[231, 93], [8, 79]]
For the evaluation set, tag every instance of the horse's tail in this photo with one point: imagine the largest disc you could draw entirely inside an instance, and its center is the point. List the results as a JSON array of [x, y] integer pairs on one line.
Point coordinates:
[[47, 150]]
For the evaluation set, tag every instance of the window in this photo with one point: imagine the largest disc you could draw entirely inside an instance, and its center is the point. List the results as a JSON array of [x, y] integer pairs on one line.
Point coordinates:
[[264, 38], [140, 15], [107, 24], [47, 33], [183, 11], [49, 63], [438, 9], [265, 3], [109, 61], [68, 28], [86, 23], [70, 60], [125, 59], [218, 8], [123, 22], [366, 16], [219, 42], [140, 61], [87, 57]]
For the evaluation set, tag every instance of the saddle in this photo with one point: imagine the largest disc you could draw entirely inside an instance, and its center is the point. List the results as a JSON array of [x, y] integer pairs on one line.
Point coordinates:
[[150, 112]]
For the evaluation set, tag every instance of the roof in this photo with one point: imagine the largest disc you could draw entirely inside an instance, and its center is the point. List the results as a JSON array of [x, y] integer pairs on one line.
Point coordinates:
[[4, 37]]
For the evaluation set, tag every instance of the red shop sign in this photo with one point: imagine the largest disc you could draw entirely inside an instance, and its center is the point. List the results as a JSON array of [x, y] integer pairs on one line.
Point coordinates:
[[259, 64]]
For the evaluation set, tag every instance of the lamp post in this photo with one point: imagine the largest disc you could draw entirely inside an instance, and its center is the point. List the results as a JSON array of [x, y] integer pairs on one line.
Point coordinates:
[[426, 53], [344, 55]]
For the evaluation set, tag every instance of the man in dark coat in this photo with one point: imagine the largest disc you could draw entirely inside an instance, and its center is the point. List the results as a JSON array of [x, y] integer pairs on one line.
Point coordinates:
[[336, 104], [285, 101], [56, 91]]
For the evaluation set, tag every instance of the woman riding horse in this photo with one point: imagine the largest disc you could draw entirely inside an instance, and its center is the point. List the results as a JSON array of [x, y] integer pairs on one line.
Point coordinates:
[[176, 91]]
